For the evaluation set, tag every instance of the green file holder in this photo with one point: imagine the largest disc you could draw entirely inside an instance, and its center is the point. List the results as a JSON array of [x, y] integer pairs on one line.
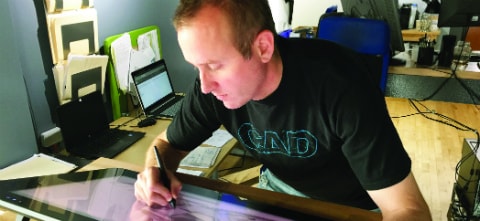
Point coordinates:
[[119, 99]]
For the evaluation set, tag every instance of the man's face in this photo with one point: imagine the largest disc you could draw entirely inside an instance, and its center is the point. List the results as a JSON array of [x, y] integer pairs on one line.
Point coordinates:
[[206, 43]]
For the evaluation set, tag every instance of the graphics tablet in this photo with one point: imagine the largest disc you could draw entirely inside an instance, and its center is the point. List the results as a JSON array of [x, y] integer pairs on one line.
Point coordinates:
[[108, 194]]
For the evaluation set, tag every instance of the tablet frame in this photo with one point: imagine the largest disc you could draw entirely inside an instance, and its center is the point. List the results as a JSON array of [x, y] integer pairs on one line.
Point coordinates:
[[11, 198]]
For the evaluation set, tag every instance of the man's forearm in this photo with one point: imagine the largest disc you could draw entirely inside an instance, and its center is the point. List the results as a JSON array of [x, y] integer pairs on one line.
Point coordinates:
[[170, 156]]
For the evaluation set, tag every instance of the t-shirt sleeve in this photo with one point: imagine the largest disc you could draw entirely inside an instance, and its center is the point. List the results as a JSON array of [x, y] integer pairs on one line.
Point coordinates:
[[196, 120], [371, 143]]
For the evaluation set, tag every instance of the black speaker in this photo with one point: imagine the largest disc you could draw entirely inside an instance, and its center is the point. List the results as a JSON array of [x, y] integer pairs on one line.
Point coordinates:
[[446, 52]]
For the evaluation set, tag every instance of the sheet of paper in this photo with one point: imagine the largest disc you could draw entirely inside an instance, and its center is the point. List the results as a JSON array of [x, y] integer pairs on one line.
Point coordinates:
[[57, 6], [219, 138], [473, 66], [37, 165], [121, 49], [190, 172], [138, 59], [149, 40], [63, 32], [201, 157], [141, 58], [76, 65], [127, 59], [59, 76]]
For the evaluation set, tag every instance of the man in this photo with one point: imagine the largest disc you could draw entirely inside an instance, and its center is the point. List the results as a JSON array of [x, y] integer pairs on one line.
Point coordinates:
[[305, 108]]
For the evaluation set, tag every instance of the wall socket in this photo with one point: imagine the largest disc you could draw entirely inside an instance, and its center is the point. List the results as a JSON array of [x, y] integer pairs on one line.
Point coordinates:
[[51, 137]]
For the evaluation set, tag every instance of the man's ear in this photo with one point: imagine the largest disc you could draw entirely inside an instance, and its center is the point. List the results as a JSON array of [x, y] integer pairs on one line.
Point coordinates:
[[264, 45]]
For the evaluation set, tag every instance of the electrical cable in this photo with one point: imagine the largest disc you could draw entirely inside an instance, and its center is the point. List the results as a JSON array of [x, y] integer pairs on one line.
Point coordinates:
[[474, 175], [455, 124], [242, 163], [137, 116], [453, 74]]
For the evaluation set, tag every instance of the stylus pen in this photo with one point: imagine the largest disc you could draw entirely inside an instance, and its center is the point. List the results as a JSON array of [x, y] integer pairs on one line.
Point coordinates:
[[163, 175]]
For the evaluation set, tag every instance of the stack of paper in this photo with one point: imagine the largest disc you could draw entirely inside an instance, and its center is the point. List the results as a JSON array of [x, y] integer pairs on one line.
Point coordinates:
[[73, 32], [64, 5], [93, 71], [127, 59]]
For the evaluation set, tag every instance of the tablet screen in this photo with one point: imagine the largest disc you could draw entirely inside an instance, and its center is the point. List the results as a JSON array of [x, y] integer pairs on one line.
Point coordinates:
[[109, 195]]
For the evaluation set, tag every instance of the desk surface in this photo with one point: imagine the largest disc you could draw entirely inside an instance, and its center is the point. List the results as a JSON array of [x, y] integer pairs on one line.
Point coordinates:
[[412, 68], [136, 153], [413, 35]]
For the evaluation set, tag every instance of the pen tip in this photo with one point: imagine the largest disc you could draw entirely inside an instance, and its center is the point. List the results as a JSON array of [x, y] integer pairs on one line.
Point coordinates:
[[172, 203]]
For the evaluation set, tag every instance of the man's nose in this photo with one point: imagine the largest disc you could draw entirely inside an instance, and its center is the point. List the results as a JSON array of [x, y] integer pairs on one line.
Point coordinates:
[[205, 82]]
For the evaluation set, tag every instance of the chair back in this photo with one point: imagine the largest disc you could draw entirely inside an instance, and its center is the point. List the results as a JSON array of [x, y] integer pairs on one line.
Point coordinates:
[[366, 36]]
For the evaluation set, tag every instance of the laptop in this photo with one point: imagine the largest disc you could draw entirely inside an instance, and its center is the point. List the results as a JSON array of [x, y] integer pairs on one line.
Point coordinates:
[[155, 91], [86, 131]]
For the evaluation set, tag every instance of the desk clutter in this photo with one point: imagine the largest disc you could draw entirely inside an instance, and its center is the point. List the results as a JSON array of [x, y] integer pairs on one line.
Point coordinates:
[[80, 75], [129, 51], [73, 34], [86, 130], [454, 55], [79, 70]]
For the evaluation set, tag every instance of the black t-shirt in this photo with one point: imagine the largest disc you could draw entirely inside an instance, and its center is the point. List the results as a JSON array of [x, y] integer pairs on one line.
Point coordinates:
[[325, 131]]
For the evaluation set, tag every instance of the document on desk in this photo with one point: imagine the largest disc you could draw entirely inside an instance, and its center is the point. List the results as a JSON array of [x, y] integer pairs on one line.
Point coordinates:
[[190, 172], [204, 156], [219, 138], [201, 157], [37, 165], [473, 67]]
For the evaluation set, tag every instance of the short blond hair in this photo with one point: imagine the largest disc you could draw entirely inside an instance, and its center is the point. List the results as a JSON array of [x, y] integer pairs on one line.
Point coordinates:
[[246, 17]]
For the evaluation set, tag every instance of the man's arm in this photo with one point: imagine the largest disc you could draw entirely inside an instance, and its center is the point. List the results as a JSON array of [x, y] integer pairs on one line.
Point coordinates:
[[148, 187], [165, 149], [402, 201]]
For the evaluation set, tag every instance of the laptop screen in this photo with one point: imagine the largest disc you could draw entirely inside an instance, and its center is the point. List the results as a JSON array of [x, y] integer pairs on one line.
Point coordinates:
[[153, 84]]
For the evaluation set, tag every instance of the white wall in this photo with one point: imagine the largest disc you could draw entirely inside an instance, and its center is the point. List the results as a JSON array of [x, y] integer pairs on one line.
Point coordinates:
[[307, 12]]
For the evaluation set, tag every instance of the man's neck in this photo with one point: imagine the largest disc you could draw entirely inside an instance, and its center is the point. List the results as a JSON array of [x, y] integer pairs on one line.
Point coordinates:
[[273, 78]]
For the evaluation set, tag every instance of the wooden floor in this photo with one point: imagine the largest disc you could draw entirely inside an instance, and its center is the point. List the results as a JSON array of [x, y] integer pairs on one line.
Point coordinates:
[[434, 147]]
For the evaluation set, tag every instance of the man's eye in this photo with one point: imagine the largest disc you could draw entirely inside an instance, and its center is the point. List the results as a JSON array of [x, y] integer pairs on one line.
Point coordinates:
[[213, 67]]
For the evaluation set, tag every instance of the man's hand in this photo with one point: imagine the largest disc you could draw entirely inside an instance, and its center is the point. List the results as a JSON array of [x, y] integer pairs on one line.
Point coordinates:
[[150, 190]]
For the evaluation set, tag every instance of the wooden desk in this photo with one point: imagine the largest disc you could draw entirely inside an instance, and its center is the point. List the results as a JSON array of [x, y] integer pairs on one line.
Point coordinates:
[[413, 35], [137, 152], [317, 208], [412, 68]]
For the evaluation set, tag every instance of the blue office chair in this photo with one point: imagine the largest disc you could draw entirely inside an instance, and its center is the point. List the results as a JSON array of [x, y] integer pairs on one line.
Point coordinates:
[[366, 36]]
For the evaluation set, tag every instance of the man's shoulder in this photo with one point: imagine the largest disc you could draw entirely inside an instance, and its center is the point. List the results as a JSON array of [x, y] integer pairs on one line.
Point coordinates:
[[312, 47]]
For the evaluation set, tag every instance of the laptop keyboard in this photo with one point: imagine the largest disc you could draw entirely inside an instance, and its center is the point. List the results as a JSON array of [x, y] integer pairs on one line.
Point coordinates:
[[173, 109], [112, 144], [113, 136]]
